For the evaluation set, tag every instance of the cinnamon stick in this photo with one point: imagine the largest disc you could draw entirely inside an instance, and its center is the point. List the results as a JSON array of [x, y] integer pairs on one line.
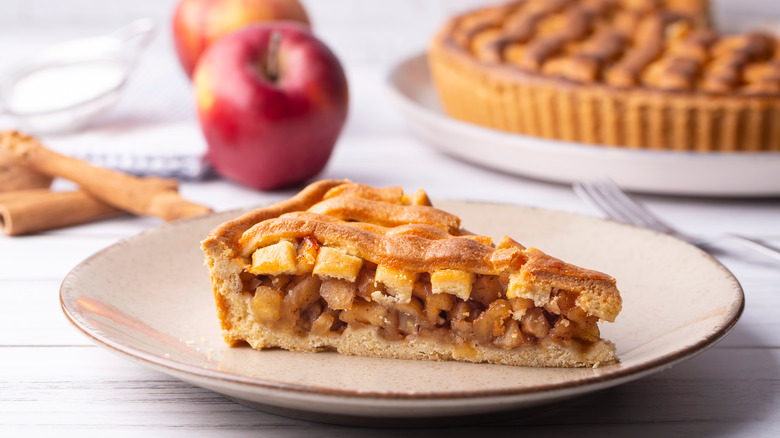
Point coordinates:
[[142, 196], [22, 194], [30, 211], [15, 176]]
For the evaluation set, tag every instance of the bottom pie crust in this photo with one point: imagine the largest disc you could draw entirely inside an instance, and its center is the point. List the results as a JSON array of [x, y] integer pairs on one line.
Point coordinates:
[[367, 342]]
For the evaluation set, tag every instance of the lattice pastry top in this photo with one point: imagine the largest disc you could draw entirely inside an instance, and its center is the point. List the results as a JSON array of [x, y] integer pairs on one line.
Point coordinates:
[[657, 44]]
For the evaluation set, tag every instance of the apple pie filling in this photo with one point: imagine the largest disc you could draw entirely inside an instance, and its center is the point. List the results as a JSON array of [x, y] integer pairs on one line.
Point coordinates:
[[302, 288]]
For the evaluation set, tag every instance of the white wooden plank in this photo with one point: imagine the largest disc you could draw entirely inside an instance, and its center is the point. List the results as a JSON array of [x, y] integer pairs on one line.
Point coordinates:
[[308, 430], [82, 388], [44, 257], [31, 315], [759, 325]]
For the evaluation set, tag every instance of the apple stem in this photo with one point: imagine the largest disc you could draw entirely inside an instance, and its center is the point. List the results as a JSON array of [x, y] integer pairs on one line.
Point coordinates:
[[272, 64]]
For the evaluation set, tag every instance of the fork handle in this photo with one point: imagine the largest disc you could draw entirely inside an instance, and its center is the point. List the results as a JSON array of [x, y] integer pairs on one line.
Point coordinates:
[[756, 245]]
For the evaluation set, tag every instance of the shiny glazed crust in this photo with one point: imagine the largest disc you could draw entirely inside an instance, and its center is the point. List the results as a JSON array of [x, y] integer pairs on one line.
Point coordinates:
[[391, 229], [664, 81]]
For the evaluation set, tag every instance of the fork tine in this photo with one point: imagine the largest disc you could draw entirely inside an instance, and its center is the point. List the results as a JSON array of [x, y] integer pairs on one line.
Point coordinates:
[[631, 207], [592, 193], [587, 191]]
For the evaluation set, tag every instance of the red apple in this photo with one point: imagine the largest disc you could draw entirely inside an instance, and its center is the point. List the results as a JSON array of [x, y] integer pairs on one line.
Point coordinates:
[[272, 100], [198, 23]]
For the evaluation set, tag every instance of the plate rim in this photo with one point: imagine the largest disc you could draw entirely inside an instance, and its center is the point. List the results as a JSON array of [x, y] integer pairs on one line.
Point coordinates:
[[580, 385]]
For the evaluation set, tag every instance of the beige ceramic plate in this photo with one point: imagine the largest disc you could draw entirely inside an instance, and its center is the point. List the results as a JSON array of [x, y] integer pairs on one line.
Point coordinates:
[[668, 172], [148, 298]]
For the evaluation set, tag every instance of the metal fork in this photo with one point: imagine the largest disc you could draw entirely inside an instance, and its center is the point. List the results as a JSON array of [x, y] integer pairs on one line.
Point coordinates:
[[606, 196]]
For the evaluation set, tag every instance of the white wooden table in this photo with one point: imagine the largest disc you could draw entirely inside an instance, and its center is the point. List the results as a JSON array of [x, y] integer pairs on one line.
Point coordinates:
[[53, 380]]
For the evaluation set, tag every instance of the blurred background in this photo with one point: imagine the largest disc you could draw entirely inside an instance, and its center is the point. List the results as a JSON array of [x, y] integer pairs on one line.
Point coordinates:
[[157, 104], [360, 32]]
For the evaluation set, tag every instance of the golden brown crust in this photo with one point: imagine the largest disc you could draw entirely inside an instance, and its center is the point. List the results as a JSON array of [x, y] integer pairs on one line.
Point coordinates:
[[598, 294], [228, 233], [354, 208], [606, 72], [409, 251]]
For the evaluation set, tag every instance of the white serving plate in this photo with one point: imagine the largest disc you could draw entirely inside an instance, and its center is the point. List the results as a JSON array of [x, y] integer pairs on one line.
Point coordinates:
[[148, 298], [662, 172]]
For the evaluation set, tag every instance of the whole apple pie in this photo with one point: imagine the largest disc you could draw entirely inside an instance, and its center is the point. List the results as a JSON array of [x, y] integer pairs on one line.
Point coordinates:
[[647, 74], [378, 272]]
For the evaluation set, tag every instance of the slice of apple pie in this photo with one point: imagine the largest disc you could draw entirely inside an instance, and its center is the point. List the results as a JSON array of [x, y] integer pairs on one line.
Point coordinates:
[[376, 272]]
